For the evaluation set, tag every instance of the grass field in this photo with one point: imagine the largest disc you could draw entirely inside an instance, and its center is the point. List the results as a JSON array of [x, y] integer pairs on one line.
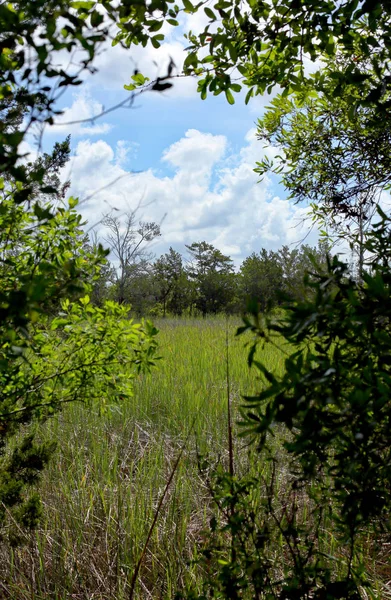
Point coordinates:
[[103, 486]]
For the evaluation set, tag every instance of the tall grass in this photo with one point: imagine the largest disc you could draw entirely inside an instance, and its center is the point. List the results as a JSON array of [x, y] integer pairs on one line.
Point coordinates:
[[104, 483], [103, 487]]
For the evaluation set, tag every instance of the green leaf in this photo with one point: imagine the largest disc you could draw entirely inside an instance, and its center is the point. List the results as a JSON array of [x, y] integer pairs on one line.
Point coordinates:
[[83, 4], [155, 40], [96, 18], [139, 78], [229, 96], [190, 60], [249, 95], [188, 6], [155, 26], [73, 202], [58, 322], [232, 52], [209, 13]]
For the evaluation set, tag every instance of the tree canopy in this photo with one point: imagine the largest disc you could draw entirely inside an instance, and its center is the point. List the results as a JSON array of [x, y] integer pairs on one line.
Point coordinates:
[[280, 43]]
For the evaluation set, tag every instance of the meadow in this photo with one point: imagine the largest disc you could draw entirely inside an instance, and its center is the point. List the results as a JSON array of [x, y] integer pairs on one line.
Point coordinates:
[[103, 486]]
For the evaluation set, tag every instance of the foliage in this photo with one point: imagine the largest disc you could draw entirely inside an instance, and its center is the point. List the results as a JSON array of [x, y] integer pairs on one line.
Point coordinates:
[[332, 403], [101, 488], [261, 278], [334, 396], [102, 282], [29, 70], [212, 273], [209, 284], [264, 542], [42, 257], [332, 155], [324, 152], [272, 277], [324, 423], [298, 263], [171, 280], [85, 354], [142, 290], [273, 44], [44, 263], [41, 262], [36, 35]]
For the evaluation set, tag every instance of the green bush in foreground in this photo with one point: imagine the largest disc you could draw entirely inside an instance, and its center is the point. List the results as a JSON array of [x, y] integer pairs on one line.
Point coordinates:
[[83, 354]]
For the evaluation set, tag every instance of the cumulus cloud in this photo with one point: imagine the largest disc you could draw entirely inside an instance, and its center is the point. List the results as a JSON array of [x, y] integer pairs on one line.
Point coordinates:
[[115, 66], [77, 119], [211, 195], [196, 151], [125, 151]]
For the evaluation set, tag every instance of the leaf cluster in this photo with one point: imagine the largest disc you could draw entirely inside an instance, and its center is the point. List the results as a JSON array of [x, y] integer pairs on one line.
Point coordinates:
[[55, 347], [328, 151], [273, 43]]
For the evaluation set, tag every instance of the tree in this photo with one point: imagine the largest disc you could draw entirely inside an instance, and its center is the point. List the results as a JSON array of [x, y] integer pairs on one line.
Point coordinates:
[[336, 159], [102, 282], [333, 401], [321, 427], [213, 276], [169, 276], [29, 73], [44, 261], [271, 278], [32, 71], [326, 149], [261, 278], [46, 358], [141, 288], [128, 243], [297, 264], [45, 265]]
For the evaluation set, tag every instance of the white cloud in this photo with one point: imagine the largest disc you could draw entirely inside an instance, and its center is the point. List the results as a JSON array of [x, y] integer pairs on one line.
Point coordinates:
[[204, 199], [115, 66], [125, 151], [27, 150], [84, 108], [196, 151]]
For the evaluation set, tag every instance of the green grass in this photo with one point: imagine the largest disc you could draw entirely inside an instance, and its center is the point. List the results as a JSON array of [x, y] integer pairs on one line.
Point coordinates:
[[104, 483]]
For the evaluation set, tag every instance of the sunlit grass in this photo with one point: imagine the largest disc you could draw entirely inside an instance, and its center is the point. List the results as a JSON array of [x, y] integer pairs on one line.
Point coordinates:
[[103, 485]]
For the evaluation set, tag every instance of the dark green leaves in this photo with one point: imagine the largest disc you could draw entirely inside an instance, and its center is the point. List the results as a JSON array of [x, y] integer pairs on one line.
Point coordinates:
[[333, 399]]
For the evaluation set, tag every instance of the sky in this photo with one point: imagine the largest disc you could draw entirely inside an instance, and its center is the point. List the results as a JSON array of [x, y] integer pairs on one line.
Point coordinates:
[[184, 163]]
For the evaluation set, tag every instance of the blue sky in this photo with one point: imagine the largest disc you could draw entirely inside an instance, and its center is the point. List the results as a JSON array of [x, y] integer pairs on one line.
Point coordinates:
[[185, 163]]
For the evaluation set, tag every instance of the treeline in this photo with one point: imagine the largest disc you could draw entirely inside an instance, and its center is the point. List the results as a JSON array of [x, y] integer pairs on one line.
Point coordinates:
[[203, 281]]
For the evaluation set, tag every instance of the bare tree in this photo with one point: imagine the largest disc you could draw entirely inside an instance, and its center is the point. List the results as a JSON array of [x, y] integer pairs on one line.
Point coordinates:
[[129, 243]]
